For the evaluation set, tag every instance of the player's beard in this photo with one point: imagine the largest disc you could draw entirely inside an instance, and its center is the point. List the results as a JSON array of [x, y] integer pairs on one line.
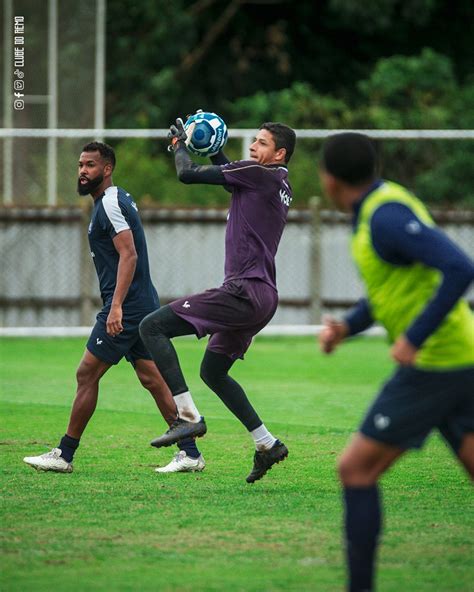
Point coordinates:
[[86, 188]]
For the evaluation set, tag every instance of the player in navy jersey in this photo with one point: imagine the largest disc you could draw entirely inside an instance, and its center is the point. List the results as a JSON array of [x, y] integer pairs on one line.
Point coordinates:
[[235, 312], [119, 252]]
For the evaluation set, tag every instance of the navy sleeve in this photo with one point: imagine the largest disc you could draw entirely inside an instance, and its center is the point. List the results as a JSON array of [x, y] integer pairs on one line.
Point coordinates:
[[190, 172], [359, 318], [105, 224], [401, 238]]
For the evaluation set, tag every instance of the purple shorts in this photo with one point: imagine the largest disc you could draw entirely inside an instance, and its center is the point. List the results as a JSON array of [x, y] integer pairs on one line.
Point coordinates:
[[232, 314]]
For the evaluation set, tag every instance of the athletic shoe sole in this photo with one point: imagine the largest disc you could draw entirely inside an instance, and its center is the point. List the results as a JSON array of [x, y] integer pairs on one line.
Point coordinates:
[[181, 432]]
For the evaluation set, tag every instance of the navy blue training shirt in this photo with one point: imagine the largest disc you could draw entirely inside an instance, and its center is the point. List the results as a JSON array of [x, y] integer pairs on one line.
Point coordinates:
[[115, 211], [401, 238]]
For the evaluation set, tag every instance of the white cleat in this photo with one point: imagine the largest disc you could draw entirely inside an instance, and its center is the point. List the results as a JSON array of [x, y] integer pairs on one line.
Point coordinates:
[[182, 463], [50, 461]]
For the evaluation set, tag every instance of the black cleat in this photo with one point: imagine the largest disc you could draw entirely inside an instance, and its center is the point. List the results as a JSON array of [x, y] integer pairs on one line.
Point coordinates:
[[265, 459], [179, 430]]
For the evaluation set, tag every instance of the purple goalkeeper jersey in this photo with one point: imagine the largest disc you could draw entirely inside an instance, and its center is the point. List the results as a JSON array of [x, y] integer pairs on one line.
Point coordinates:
[[261, 196]]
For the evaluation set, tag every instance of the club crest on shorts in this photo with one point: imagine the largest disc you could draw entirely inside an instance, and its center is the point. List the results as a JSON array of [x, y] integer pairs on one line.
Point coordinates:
[[381, 421]]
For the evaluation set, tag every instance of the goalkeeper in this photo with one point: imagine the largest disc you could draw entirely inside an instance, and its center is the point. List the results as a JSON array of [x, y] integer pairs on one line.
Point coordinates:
[[236, 311]]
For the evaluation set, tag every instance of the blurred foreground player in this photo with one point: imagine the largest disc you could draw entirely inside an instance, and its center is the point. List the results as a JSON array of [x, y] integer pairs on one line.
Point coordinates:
[[415, 277], [235, 312], [119, 251]]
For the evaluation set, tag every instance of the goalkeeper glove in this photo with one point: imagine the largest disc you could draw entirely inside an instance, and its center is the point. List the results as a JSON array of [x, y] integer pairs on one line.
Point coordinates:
[[178, 134]]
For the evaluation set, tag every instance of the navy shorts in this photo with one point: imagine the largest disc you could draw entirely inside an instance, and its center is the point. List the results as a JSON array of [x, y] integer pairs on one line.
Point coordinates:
[[232, 314], [128, 343], [414, 402]]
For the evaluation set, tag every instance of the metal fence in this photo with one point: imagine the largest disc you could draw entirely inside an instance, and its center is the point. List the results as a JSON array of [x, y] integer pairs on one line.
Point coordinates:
[[48, 277], [38, 164]]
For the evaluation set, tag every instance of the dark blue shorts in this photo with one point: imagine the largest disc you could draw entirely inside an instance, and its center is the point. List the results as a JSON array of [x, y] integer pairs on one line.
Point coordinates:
[[127, 344], [414, 402], [232, 314]]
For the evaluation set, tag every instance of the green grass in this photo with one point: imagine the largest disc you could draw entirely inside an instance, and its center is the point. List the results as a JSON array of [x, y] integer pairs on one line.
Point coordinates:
[[114, 524]]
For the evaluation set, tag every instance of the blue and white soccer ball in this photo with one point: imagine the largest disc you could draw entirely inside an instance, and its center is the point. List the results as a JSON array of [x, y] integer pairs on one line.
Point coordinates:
[[209, 134]]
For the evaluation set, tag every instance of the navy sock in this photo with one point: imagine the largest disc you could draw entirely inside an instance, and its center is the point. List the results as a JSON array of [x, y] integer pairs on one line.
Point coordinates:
[[68, 447], [362, 527], [189, 446]]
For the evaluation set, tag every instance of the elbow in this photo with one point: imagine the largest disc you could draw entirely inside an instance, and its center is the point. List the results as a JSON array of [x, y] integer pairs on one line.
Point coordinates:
[[460, 273], [185, 177], [131, 257], [133, 261], [463, 270]]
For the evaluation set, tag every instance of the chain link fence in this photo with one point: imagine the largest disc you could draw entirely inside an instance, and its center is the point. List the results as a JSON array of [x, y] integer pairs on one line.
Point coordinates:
[[48, 277]]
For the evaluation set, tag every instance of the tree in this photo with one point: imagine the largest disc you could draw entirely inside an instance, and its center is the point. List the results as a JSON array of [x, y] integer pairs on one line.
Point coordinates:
[[329, 64]]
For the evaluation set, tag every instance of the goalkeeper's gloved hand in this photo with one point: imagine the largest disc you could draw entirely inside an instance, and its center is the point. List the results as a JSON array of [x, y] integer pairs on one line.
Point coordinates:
[[178, 134]]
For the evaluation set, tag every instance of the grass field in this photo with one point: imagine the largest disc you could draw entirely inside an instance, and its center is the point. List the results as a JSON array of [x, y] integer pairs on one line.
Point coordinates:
[[114, 524]]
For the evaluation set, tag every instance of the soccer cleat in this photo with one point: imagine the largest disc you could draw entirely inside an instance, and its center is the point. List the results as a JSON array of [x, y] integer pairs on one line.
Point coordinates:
[[179, 430], [265, 459], [50, 461], [182, 463]]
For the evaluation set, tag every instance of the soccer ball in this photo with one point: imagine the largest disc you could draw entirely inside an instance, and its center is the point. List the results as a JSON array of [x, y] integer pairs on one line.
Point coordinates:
[[209, 133]]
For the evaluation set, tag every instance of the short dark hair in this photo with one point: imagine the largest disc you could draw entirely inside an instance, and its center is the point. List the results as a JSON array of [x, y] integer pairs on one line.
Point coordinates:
[[106, 151], [350, 157], [283, 136]]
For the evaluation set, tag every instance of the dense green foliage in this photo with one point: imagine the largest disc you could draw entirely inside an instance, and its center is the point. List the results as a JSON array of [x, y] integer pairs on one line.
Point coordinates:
[[386, 64], [114, 524]]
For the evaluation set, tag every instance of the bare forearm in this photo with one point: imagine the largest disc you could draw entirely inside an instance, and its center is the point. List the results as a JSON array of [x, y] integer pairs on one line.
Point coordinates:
[[126, 270]]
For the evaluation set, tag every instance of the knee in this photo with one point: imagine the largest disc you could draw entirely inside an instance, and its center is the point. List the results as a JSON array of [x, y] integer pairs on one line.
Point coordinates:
[[147, 381], [205, 373], [353, 472], [145, 326], [85, 374], [209, 375], [345, 470], [153, 325]]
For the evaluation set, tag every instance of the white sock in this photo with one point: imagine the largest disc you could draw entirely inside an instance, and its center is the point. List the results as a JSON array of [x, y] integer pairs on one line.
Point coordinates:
[[263, 438], [186, 408]]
